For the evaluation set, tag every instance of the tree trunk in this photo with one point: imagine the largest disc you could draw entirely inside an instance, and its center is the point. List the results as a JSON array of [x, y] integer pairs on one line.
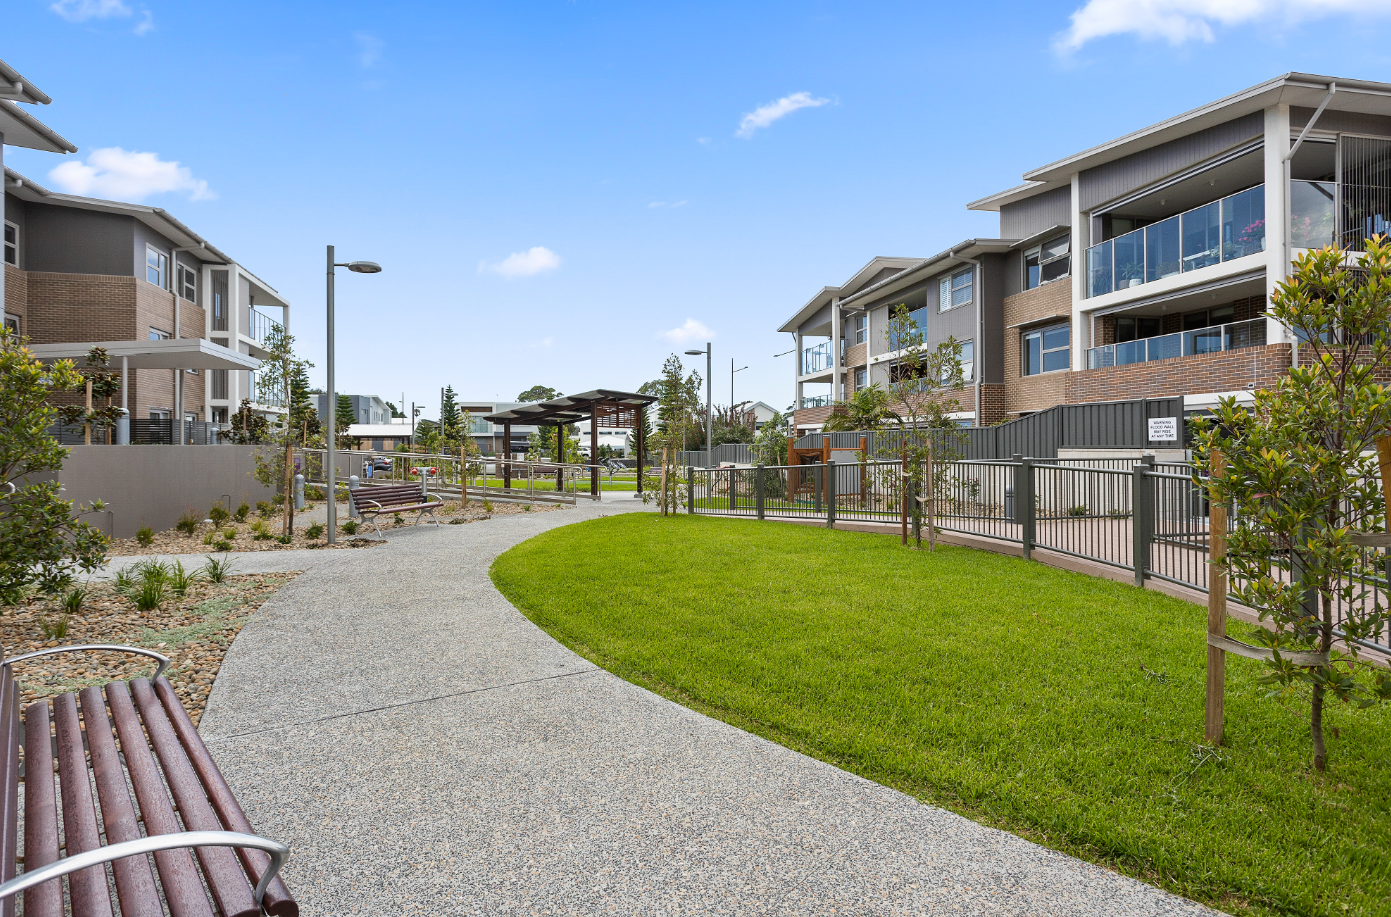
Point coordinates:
[[289, 485], [930, 507], [1316, 707]]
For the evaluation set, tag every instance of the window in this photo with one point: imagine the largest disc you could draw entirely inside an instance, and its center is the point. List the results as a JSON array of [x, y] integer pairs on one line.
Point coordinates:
[[12, 323], [918, 327], [968, 363], [1047, 349], [11, 243], [219, 415], [188, 284], [219, 384], [861, 329], [157, 335], [861, 378], [219, 293], [156, 266], [1048, 262], [954, 290]]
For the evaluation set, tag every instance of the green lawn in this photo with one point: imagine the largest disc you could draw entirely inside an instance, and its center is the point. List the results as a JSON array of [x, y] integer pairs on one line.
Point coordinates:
[[1065, 708]]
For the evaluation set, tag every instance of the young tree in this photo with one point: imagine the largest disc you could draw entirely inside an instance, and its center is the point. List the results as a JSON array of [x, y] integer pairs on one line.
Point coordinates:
[[538, 393], [278, 369], [922, 394], [343, 418], [248, 427], [99, 383], [41, 543], [451, 424], [1301, 472], [770, 445], [304, 417]]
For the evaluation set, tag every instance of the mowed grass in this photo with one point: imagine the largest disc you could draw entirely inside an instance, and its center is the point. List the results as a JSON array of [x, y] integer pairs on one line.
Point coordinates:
[[1062, 707]]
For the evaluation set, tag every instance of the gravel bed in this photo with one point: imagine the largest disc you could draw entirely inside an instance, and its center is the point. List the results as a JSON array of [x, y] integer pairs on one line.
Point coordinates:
[[193, 630], [244, 538]]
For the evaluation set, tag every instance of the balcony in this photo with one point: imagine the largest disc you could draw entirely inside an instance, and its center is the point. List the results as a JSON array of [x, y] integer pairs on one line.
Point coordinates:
[[1313, 213], [1180, 344], [261, 326], [1223, 230], [817, 401], [263, 395], [816, 359]]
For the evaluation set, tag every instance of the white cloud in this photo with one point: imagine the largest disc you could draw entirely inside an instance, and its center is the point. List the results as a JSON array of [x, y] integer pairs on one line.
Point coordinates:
[[369, 49], [146, 23], [118, 174], [678, 204], [1180, 21], [691, 331], [765, 115], [82, 10], [657, 204], [536, 260]]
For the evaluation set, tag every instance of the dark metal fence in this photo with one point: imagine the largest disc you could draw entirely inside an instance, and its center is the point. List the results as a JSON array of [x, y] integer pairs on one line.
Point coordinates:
[[1146, 517], [145, 432]]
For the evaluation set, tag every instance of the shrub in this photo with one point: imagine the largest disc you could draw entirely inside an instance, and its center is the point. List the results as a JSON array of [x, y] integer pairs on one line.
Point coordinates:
[[124, 582], [488, 507], [313, 493], [149, 595], [180, 579], [223, 545], [229, 534], [72, 602], [242, 512], [264, 509], [285, 539], [260, 531], [457, 521], [146, 536], [526, 507], [397, 517], [350, 526], [315, 531], [217, 570], [1076, 510], [54, 630], [151, 571], [188, 522], [209, 537], [219, 514]]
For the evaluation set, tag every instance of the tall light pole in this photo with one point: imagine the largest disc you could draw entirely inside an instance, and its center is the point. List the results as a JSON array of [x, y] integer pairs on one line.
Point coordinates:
[[708, 397], [331, 473], [732, 371]]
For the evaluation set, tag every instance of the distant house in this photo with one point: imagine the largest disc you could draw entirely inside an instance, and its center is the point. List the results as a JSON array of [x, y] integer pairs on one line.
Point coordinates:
[[367, 409]]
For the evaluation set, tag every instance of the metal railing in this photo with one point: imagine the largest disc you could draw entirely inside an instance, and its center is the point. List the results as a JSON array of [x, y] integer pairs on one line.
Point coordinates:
[[817, 401], [1146, 517], [261, 326], [1223, 230], [816, 358], [1214, 339]]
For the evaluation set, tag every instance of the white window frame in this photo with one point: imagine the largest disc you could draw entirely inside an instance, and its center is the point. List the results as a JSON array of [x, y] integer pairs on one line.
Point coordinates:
[[187, 286], [948, 285], [160, 266], [12, 322], [862, 328], [157, 334], [12, 246]]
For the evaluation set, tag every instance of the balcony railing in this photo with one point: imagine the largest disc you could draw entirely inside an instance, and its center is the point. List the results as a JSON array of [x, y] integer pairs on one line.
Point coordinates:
[[1313, 213], [261, 326], [1180, 344], [816, 401], [815, 359], [1223, 230], [264, 395]]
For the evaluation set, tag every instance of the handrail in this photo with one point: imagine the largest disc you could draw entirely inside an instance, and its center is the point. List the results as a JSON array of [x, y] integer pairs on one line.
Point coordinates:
[[103, 647], [154, 843]]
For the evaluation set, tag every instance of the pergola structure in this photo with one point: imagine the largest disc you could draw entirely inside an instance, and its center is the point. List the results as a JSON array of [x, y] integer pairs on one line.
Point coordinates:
[[602, 407]]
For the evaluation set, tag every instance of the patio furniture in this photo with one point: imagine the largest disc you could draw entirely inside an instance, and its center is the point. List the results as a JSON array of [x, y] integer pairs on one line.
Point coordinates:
[[236, 872]]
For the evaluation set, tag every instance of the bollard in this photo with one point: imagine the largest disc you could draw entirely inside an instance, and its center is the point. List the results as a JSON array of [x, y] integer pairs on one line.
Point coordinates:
[[123, 428], [299, 492], [353, 481]]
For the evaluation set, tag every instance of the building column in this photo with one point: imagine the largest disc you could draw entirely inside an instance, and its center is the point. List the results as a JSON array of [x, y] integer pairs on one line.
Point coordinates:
[[835, 349], [797, 371], [1277, 185], [1080, 232]]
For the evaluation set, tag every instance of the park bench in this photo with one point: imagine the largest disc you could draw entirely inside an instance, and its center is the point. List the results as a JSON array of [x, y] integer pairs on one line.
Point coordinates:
[[181, 803], [375, 500]]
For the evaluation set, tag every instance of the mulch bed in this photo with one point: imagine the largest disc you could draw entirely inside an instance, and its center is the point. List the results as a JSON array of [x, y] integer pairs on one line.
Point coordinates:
[[193, 630], [244, 539]]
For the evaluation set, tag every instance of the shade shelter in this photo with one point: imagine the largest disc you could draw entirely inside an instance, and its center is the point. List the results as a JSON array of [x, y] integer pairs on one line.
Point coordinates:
[[602, 408]]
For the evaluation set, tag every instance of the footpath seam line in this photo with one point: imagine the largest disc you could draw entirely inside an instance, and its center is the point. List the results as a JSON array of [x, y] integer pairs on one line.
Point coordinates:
[[408, 703]]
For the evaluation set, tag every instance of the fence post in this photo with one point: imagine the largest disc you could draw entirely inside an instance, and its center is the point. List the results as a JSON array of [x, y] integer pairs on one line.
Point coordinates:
[[914, 510], [690, 490], [1026, 506], [830, 495], [1216, 609], [817, 482], [1141, 517], [758, 489]]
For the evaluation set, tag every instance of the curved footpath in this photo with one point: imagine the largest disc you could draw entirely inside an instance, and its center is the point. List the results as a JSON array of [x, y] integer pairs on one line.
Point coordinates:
[[425, 749]]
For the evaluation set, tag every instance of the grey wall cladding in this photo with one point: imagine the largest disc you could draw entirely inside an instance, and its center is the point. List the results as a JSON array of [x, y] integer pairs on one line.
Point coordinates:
[[1022, 219]]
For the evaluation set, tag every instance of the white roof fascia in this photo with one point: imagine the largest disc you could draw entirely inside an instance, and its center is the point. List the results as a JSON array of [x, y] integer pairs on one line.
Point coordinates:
[[825, 294], [968, 248], [18, 89], [173, 353], [24, 130]]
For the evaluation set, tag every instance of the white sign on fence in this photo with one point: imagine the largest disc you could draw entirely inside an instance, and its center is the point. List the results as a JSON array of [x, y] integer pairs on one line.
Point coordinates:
[[1163, 429]]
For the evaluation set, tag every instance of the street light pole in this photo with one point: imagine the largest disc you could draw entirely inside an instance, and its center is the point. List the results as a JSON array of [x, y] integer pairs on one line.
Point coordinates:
[[331, 473], [732, 371], [708, 397]]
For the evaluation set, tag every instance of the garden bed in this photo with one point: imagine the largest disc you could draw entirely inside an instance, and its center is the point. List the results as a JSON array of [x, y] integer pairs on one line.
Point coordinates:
[[194, 630], [243, 534]]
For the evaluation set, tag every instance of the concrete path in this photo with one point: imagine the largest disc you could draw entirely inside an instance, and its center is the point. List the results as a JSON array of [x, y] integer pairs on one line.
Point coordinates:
[[425, 749]]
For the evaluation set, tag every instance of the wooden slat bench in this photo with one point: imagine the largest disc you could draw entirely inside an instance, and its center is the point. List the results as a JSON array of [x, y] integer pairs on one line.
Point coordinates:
[[382, 499], [128, 735]]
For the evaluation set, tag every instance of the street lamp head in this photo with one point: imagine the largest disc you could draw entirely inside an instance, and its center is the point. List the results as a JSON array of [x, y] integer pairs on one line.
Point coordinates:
[[695, 353], [364, 267]]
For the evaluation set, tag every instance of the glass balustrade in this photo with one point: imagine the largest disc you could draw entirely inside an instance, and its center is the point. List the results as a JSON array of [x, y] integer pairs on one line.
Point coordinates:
[[816, 401], [1313, 212], [1179, 344], [815, 359], [1223, 230]]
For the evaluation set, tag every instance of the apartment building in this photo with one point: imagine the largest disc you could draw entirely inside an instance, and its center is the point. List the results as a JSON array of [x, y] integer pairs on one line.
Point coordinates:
[[1139, 268], [81, 271], [367, 409]]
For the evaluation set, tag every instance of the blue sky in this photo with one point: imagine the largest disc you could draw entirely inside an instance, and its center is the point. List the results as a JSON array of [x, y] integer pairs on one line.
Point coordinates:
[[554, 188]]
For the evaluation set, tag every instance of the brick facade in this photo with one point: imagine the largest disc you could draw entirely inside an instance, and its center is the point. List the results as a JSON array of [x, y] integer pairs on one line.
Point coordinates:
[[805, 417], [992, 404], [1230, 370], [1025, 394], [68, 308]]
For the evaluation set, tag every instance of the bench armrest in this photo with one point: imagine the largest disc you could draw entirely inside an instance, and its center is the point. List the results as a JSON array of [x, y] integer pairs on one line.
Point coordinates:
[[358, 504], [106, 647], [278, 852], [430, 496]]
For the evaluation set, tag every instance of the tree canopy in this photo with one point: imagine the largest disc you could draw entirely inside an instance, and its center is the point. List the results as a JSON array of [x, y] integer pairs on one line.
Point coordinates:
[[538, 393]]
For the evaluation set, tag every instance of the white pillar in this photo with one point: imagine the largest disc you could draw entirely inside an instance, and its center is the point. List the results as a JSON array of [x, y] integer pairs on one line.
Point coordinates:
[[178, 425], [1277, 252], [797, 371], [835, 349], [1080, 235]]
